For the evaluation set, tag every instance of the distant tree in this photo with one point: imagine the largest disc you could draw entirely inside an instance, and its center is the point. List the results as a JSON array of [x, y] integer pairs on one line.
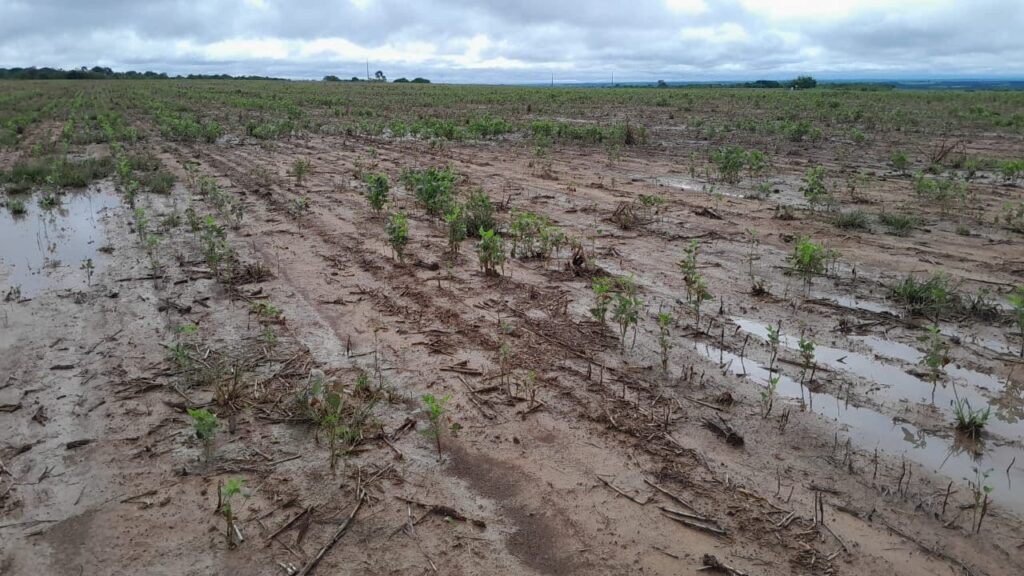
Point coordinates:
[[331, 78], [356, 79], [803, 83], [419, 80], [662, 84], [379, 76], [400, 81]]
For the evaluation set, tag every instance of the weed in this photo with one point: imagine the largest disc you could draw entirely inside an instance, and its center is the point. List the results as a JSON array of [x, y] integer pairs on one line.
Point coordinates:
[[397, 229], [898, 224], [930, 297], [49, 201], [16, 206], [943, 191], [379, 186], [159, 182], [852, 220], [970, 421], [491, 252]]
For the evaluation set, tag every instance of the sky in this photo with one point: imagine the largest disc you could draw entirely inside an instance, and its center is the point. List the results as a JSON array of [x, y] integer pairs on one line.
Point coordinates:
[[509, 41]]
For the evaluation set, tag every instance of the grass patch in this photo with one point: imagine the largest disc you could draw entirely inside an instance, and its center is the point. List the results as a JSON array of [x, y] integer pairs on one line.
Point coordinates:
[[898, 224], [852, 220]]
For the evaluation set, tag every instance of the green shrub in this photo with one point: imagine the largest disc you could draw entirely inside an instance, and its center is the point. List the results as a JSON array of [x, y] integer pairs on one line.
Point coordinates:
[[433, 187], [851, 220]]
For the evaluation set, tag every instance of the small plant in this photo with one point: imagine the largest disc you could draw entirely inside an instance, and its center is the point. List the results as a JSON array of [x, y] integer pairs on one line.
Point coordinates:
[[807, 363], [696, 287], [49, 201], [729, 162], [814, 189], [205, 425], [929, 298], [968, 420], [300, 167], [491, 252], [456, 222], [16, 206], [230, 489], [602, 288], [899, 161], [264, 310], [898, 224], [980, 489], [811, 259], [1016, 299], [768, 394], [852, 220], [433, 187], [626, 313], [332, 425], [397, 229], [936, 357], [478, 212], [664, 342], [88, 267], [436, 416], [379, 186]]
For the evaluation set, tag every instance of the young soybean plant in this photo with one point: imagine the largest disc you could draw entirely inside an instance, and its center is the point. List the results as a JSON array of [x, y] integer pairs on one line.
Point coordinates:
[[602, 288], [299, 169], [491, 252], [230, 489], [205, 425], [664, 321], [455, 219], [626, 312], [378, 194], [436, 415], [397, 229]]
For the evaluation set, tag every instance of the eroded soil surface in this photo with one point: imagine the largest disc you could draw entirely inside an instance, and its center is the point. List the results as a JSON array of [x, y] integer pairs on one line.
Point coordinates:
[[612, 468]]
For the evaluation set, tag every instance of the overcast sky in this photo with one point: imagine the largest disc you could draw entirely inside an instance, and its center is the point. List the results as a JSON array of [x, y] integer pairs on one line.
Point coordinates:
[[524, 40]]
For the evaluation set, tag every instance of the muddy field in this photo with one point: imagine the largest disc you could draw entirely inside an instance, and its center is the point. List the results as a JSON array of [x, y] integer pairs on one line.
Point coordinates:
[[769, 390]]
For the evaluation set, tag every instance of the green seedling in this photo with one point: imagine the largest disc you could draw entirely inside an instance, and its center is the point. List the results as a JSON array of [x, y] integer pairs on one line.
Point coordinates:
[[811, 259], [980, 489], [456, 223], [205, 425], [936, 357], [379, 186], [300, 167], [814, 189], [16, 206], [970, 421], [397, 229], [230, 489], [626, 313], [491, 252], [436, 416], [602, 288], [664, 341]]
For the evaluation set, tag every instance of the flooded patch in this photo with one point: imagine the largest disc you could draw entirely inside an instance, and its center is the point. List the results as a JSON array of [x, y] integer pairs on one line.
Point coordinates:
[[870, 429], [46, 248], [854, 303]]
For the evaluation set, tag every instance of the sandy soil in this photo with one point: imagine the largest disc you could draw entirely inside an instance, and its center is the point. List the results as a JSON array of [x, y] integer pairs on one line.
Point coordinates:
[[103, 475]]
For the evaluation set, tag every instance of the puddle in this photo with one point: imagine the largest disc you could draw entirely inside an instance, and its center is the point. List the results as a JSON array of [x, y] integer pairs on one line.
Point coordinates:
[[784, 190], [892, 384], [45, 249], [854, 303], [870, 429]]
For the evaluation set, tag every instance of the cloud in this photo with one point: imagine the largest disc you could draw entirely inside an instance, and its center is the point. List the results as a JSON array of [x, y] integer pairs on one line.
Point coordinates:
[[527, 40]]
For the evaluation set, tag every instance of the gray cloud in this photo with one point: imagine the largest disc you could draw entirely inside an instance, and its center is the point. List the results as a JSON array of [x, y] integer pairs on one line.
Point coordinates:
[[502, 41]]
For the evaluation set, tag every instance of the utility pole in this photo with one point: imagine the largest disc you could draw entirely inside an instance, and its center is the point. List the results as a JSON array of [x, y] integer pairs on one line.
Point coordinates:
[[367, 70]]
